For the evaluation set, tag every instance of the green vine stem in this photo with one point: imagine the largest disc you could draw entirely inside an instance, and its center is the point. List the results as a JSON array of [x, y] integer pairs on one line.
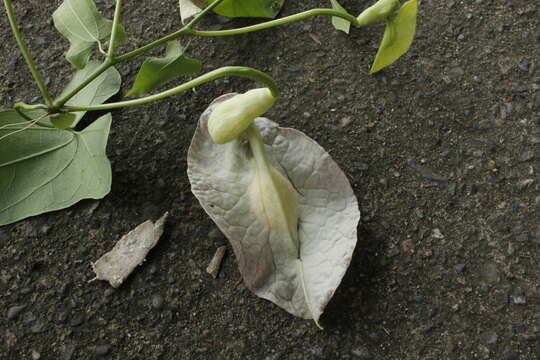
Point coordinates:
[[241, 71], [26, 54], [277, 22], [114, 31], [188, 31]]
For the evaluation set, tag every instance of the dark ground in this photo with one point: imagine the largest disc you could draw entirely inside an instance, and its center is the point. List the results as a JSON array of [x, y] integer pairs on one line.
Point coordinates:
[[443, 151]]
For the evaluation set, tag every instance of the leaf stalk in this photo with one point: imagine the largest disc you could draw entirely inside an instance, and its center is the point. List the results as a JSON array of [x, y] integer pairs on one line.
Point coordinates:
[[241, 71], [25, 53]]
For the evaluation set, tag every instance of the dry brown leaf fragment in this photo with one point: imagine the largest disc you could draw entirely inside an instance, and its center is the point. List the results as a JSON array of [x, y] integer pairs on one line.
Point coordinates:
[[215, 264], [129, 252]]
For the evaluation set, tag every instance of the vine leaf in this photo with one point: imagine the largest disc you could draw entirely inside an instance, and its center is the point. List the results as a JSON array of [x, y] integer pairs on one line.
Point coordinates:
[[63, 121], [398, 36], [156, 72], [221, 177], [96, 92], [339, 23], [249, 8], [80, 22], [44, 169]]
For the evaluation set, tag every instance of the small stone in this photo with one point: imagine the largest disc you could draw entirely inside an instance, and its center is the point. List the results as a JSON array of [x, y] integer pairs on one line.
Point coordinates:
[[157, 302], [44, 230], [529, 337], [510, 355], [524, 184], [511, 249], [102, 350], [38, 327], [393, 252], [4, 236], [490, 338], [518, 299], [437, 234], [490, 274], [14, 311], [526, 156], [471, 189], [346, 121], [523, 237], [215, 234], [76, 320], [459, 268], [361, 353], [35, 355], [67, 351]]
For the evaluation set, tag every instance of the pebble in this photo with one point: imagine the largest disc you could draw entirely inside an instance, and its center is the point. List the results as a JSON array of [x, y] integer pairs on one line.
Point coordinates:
[[518, 299], [526, 156], [523, 237], [510, 355], [490, 274], [38, 327], [4, 236], [393, 252], [157, 302], [215, 234], [361, 353], [490, 338], [459, 268], [76, 320], [14, 311], [102, 350], [35, 355], [67, 351]]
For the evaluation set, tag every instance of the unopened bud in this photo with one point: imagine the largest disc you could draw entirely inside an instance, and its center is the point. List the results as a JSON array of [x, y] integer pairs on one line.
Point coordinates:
[[379, 11], [233, 116]]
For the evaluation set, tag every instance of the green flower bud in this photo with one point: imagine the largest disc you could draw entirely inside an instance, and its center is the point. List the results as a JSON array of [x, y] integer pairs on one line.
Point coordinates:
[[233, 116], [379, 11]]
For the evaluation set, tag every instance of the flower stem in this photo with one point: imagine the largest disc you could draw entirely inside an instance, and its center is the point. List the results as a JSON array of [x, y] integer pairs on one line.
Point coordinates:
[[186, 30], [277, 22], [25, 53], [114, 31], [240, 71]]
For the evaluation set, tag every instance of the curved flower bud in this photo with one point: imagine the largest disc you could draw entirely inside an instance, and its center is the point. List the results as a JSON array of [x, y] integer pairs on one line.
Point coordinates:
[[379, 11], [233, 116]]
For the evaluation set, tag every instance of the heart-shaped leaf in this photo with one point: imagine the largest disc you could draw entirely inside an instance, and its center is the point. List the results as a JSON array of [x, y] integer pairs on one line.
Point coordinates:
[[249, 8], [81, 23], [44, 169], [156, 72], [222, 178], [339, 23], [96, 92], [62, 121], [398, 36]]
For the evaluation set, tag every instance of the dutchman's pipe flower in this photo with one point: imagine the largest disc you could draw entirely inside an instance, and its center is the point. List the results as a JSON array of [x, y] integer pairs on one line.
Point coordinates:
[[379, 11], [233, 116]]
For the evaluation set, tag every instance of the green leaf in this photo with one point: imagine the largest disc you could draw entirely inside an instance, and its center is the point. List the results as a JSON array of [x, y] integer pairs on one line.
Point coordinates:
[[44, 169], [81, 23], [398, 36], [96, 92], [156, 72], [249, 8], [339, 23], [62, 121]]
